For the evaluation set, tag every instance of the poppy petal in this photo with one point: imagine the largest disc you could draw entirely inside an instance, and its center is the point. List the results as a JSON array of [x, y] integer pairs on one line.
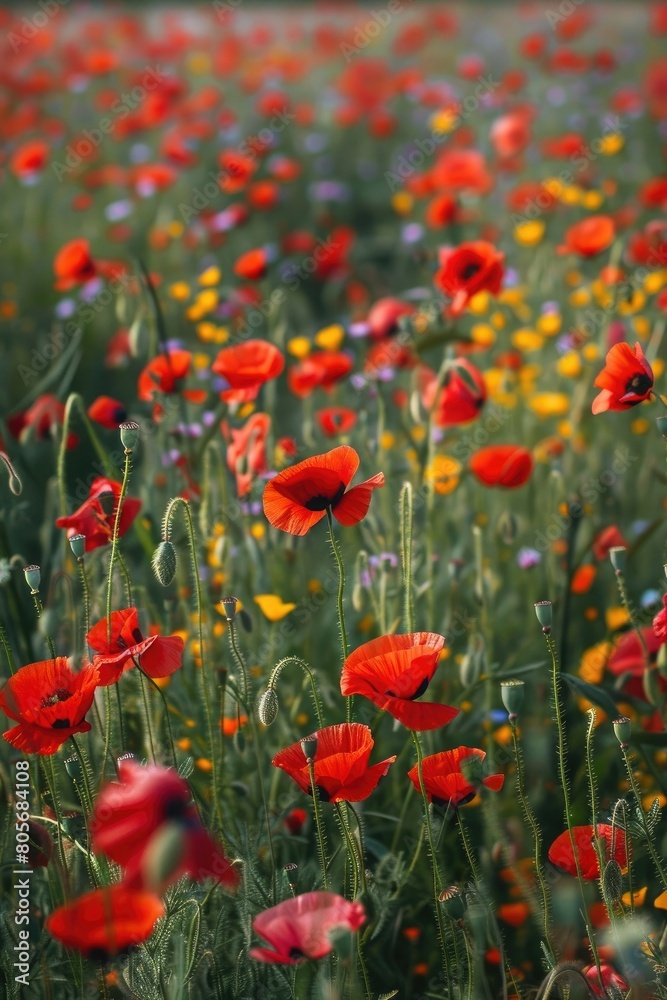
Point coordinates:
[[354, 505]]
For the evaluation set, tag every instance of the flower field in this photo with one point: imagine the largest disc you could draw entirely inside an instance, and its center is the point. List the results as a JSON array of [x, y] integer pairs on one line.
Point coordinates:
[[332, 501]]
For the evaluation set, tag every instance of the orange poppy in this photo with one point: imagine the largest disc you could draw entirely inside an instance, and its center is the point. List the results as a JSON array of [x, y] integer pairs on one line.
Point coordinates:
[[506, 465], [49, 702], [471, 267], [392, 671], [625, 380], [297, 498], [249, 365], [590, 236], [106, 922], [451, 778]]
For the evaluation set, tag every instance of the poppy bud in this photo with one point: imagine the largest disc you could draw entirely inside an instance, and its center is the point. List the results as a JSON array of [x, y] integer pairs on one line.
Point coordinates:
[[452, 901], [163, 855], [164, 563], [268, 707], [544, 614], [612, 880], [617, 555], [512, 693], [289, 876], [229, 605], [662, 660], [623, 730], [33, 578], [662, 425], [73, 768], [77, 543], [129, 435], [309, 746]]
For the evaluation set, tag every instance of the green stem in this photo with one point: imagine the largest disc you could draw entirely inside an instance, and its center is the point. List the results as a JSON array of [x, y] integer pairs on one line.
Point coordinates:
[[39, 608], [114, 538], [74, 399], [147, 710], [86, 596], [318, 823], [8, 650], [629, 607], [537, 836], [275, 674], [341, 592], [406, 514], [647, 833], [166, 716]]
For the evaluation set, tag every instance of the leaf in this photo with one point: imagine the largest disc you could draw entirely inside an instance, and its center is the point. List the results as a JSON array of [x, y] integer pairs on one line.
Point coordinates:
[[186, 767], [592, 693]]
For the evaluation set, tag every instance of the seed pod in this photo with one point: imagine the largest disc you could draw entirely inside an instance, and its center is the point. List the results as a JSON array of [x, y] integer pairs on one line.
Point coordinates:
[[512, 693], [33, 578], [544, 614], [77, 543], [129, 435], [164, 563], [309, 746], [612, 879]]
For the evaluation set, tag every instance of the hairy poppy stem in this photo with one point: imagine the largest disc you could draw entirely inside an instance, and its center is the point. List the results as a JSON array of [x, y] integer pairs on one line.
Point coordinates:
[[166, 716], [8, 650], [642, 818], [630, 608], [74, 399], [114, 538], [562, 768], [318, 823], [275, 674], [537, 836], [406, 515], [341, 591], [437, 878]]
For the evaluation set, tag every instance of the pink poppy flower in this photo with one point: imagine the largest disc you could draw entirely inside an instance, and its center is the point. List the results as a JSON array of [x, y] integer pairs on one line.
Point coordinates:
[[300, 927]]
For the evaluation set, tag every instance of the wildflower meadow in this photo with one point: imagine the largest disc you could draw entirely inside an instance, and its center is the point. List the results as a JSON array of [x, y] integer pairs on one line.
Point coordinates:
[[333, 530]]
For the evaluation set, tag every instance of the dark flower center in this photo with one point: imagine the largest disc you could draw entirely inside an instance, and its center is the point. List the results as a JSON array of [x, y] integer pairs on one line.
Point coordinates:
[[61, 694], [321, 502], [296, 953], [175, 808], [639, 384], [418, 693], [470, 270]]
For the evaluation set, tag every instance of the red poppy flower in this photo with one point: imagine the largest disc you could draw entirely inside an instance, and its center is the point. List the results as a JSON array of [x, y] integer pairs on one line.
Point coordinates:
[[660, 621], [561, 854], [251, 266], [384, 315], [107, 412], [246, 454], [299, 497], [625, 380], [322, 369], [470, 268], [461, 397], [106, 922], [158, 656], [294, 821], [628, 658], [249, 365], [506, 465], [342, 772], [612, 982], [238, 170], [451, 778], [336, 420], [73, 264], [30, 158], [605, 540], [49, 702], [96, 516], [300, 927], [133, 817], [331, 257], [40, 421], [441, 210], [510, 134], [563, 147], [461, 170], [392, 671], [165, 373], [590, 236]]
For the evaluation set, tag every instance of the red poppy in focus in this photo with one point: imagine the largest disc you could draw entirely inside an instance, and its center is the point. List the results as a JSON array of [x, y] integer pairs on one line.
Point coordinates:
[[471, 267], [625, 380], [336, 420], [452, 778], [251, 266], [392, 671], [384, 315], [158, 656], [106, 922], [96, 516], [461, 397], [30, 158], [561, 854], [249, 365], [73, 264], [300, 927], [321, 369], [135, 816], [342, 772], [606, 539], [107, 412], [590, 236], [297, 498], [49, 702], [246, 454], [505, 465], [165, 373]]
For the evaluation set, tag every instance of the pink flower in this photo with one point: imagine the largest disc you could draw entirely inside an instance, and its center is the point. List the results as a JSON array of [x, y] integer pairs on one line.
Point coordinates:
[[300, 927], [660, 621]]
